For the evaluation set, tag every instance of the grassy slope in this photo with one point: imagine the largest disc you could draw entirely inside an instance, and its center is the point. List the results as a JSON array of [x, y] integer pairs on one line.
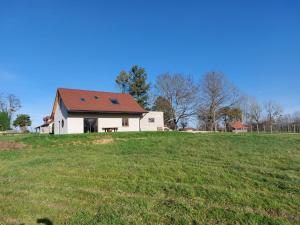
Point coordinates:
[[165, 178]]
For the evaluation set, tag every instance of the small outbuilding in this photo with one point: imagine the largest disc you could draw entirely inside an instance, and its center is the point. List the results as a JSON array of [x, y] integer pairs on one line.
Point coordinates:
[[46, 127], [238, 127]]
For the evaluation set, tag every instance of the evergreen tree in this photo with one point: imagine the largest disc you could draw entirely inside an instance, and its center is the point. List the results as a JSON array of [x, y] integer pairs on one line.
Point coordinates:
[[122, 81], [138, 86], [163, 105]]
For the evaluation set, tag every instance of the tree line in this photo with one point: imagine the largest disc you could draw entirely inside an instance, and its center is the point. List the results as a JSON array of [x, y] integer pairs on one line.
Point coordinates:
[[9, 105], [212, 103]]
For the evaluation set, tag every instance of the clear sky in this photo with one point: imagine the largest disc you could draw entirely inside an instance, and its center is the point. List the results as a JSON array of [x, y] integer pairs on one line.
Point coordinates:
[[84, 44]]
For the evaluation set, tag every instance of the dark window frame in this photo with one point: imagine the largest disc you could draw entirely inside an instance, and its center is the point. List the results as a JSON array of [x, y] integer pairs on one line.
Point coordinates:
[[90, 125], [151, 120], [114, 101], [125, 121]]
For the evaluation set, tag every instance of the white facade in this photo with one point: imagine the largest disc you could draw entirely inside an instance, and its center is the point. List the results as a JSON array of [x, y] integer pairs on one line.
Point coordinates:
[[60, 119], [241, 130], [74, 122], [115, 120], [75, 125], [152, 121], [44, 129]]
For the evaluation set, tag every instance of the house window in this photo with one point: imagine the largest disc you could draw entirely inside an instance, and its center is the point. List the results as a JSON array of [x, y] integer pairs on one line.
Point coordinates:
[[151, 120], [90, 125], [82, 99], [125, 122], [114, 101], [96, 97], [62, 123]]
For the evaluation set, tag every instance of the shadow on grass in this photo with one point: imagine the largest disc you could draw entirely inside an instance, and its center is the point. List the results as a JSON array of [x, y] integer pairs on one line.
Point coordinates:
[[44, 221]]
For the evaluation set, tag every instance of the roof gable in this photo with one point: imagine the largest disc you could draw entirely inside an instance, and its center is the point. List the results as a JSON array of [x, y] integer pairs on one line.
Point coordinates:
[[96, 101]]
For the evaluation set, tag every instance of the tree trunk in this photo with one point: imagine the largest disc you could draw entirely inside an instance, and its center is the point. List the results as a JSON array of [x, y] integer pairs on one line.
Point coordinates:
[[271, 127], [215, 124]]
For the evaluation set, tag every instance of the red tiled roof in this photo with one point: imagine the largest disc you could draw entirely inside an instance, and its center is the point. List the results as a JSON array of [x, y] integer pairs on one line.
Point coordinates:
[[238, 125], [96, 101]]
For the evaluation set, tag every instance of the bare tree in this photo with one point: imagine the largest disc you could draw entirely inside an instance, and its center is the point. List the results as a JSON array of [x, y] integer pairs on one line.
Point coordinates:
[[244, 105], [296, 116], [273, 112], [295, 120], [181, 92], [2, 103], [13, 105], [216, 92], [285, 122], [183, 124], [162, 104], [255, 111]]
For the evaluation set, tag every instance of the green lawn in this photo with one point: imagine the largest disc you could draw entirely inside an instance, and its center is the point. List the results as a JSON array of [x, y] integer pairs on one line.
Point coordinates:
[[151, 178]]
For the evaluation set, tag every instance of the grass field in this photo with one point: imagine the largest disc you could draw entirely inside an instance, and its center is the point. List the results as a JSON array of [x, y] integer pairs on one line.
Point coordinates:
[[150, 178]]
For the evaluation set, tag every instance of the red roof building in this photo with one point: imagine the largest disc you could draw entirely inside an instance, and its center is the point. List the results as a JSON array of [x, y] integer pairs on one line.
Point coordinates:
[[82, 111], [238, 126], [96, 101]]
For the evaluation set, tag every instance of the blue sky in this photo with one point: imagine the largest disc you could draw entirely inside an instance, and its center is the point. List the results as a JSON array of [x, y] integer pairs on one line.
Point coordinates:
[[84, 44]]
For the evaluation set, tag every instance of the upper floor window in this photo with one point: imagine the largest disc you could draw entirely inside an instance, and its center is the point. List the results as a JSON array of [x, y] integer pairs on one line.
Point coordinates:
[[151, 120], [62, 123], [114, 101], [82, 99], [96, 97]]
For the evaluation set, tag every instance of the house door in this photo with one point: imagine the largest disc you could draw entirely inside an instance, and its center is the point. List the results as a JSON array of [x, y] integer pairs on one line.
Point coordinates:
[[90, 125]]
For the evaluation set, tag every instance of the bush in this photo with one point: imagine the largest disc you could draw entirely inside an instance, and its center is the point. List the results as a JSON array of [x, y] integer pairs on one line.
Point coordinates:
[[22, 121], [4, 121]]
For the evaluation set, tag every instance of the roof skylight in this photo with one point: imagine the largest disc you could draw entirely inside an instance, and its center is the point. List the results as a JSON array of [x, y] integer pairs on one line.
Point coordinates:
[[114, 101]]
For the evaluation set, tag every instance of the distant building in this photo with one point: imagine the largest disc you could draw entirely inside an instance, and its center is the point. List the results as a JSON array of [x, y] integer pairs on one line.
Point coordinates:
[[46, 127], [238, 127]]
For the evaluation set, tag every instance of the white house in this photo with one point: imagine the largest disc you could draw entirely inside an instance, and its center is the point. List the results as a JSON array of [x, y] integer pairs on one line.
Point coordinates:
[[81, 111], [46, 127]]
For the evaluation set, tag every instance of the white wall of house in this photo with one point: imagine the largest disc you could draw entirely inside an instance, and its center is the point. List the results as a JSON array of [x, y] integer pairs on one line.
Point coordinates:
[[115, 120], [152, 121], [243, 130], [75, 125], [74, 122], [61, 114], [44, 130]]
